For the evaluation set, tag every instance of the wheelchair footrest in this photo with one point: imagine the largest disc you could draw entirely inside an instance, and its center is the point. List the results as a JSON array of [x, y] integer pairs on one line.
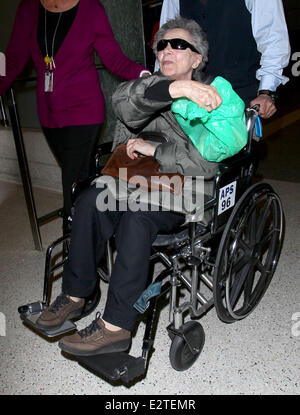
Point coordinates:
[[115, 366], [31, 312]]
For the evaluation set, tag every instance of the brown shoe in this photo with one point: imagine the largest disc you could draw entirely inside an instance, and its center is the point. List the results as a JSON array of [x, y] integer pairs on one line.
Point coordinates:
[[62, 309], [96, 339]]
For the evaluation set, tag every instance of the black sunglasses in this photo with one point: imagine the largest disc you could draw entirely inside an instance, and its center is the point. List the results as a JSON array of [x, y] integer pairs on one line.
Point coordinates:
[[179, 44]]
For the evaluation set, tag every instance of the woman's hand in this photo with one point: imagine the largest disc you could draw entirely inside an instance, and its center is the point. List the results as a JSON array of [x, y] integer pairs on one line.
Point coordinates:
[[203, 95], [138, 145]]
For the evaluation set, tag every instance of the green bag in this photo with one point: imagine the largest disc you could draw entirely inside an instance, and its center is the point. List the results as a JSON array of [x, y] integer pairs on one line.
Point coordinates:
[[218, 134]]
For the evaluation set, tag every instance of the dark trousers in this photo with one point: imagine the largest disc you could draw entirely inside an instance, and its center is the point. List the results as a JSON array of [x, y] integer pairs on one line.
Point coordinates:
[[134, 234], [74, 148]]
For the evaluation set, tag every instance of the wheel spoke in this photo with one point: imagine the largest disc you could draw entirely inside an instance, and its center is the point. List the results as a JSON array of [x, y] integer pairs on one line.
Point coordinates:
[[264, 274], [261, 268], [263, 219], [242, 250], [249, 286], [249, 291], [268, 236], [244, 246], [252, 227], [244, 255], [239, 264], [237, 286]]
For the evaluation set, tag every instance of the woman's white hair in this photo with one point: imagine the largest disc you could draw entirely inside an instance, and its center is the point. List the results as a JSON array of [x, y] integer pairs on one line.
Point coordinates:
[[199, 39]]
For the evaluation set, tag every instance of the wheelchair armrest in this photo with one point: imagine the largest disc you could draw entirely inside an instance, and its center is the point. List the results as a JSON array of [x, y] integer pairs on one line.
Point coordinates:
[[254, 133], [233, 161], [80, 185], [102, 150]]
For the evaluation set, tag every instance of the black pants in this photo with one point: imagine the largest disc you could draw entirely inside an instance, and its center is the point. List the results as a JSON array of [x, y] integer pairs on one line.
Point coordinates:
[[134, 234], [74, 148]]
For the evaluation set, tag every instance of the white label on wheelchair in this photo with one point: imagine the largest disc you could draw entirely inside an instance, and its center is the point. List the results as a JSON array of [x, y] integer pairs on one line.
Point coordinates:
[[226, 197]]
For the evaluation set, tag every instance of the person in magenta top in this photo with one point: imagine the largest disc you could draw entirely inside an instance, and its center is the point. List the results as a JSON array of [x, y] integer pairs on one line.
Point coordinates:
[[61, 36]]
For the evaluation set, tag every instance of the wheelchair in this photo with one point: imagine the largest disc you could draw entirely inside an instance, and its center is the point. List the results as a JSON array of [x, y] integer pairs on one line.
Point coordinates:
[[226, 262]]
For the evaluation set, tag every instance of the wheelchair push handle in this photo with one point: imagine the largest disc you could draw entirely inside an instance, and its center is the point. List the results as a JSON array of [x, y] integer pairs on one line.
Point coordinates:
[[255, 107], [254, 123]]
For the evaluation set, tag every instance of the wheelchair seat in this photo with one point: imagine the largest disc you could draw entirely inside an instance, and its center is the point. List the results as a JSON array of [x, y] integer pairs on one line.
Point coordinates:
[[177, 238]]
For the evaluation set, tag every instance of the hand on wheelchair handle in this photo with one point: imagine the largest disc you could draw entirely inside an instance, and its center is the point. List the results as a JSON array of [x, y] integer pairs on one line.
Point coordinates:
[[266, 104], [255, 107]]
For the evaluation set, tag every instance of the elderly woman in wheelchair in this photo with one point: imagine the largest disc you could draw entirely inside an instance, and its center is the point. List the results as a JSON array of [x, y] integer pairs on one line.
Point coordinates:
[[233, 251]]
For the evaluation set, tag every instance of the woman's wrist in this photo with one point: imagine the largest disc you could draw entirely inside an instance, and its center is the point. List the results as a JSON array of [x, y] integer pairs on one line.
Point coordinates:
[[178, 89]]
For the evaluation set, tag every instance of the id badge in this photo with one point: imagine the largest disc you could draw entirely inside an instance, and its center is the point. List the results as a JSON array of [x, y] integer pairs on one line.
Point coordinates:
[[49, 81]]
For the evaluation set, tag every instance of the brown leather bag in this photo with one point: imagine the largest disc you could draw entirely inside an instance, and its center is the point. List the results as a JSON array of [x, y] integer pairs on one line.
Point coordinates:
[[143, 171]]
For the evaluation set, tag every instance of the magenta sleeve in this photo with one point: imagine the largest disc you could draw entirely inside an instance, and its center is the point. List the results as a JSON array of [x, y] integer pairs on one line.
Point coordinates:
[[18, 51], [109, 50]]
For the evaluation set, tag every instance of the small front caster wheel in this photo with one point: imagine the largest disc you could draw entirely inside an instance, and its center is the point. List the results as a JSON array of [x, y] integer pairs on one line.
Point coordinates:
[[187, 346]]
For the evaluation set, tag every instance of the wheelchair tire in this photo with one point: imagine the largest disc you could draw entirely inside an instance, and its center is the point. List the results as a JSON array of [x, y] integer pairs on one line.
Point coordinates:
[[181, 356], [91, 302], [248, 253], [102, 273]]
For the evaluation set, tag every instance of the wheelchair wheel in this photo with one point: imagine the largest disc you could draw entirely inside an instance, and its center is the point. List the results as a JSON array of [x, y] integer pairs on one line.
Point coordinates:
[[91, 302], [181, 356], [248, 253], [103, 273]]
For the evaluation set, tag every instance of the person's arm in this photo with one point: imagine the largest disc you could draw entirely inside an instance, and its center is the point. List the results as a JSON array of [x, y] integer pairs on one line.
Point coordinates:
[[135, 104], [184, 159], [109, 50], [169, 10], [271, 35], [205, 96], [17, 53]]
